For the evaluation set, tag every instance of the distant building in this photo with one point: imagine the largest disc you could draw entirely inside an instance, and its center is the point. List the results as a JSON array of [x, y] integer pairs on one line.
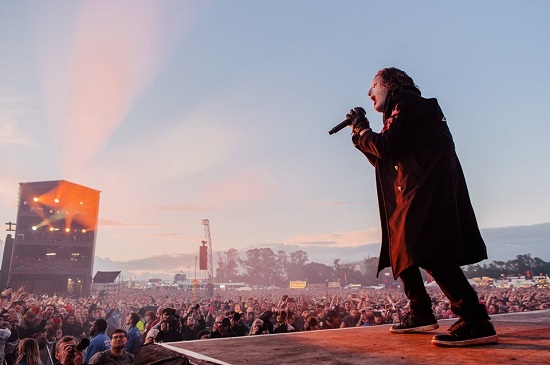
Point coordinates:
[[54, 245]]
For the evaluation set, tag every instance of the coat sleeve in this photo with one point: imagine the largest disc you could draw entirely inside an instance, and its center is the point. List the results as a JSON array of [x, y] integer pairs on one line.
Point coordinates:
[[397, 133]]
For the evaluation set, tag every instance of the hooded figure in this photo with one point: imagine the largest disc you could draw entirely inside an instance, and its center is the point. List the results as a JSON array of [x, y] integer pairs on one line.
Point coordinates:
[[427, 219]]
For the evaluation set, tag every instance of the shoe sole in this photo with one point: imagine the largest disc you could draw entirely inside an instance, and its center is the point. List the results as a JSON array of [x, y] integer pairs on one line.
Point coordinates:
[[471, 342], [429, 327]]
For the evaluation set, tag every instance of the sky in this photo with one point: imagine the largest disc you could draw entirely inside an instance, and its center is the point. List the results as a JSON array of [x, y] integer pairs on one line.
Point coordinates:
[[179, 111]]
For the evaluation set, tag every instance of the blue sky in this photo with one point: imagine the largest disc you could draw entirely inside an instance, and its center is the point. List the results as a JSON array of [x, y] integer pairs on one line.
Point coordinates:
[[184, 110]]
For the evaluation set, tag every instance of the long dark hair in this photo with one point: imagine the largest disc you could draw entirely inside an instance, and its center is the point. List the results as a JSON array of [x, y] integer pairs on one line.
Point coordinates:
[[392, 78], [28, 349]]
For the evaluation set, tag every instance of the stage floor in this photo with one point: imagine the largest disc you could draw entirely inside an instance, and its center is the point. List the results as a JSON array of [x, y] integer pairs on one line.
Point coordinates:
[[524, 338]]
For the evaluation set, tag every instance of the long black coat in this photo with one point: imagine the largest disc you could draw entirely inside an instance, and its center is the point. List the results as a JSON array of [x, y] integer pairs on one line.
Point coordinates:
[[425, 210]]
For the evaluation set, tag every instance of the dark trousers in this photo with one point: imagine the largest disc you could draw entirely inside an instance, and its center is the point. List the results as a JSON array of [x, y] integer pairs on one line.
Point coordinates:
[[450, 278]]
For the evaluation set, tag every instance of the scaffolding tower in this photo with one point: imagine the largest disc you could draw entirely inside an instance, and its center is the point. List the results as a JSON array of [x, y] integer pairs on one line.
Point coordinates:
[[210, 266]]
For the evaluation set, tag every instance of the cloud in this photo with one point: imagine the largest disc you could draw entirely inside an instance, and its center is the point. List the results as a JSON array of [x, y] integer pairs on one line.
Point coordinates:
[[318, 243], [11, 112], [335, 203], [180, 208], [95, 69], [111, 223], [338, 239], [242, 187]]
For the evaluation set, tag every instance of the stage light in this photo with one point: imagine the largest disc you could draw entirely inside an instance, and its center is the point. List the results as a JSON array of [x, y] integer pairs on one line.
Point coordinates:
[[75, 254], [51, 254], [52, 229], [83, 230], [67, 229], [56, 200], [35, 199], [34, 228]]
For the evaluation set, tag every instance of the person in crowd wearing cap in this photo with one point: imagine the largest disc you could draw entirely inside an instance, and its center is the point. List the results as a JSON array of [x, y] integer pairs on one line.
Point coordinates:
[[115, 354], [133, 334], [100, 341], [321, 313], [203, 335], [332, 320]]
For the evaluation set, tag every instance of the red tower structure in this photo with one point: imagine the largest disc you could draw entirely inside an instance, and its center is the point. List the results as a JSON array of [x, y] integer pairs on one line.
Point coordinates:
[[54, 244]]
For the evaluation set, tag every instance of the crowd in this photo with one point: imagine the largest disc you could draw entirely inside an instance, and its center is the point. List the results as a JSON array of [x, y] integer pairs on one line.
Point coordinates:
[[38, 329]]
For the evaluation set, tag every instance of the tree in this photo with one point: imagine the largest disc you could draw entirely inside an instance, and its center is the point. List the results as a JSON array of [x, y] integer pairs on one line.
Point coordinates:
[[180, 277], [280, 272], [228, 265], [522, 264], [371, 270], [336, 264], [315, 273], [349, 274], [295, 270], [258, 266], [298, 257]]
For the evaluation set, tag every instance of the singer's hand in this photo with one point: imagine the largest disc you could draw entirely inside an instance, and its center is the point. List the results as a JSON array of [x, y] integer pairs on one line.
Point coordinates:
[[358, 120]]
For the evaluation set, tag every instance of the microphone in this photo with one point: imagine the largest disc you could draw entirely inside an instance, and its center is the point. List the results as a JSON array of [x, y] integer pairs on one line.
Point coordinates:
[[340, 126], [355, 112]]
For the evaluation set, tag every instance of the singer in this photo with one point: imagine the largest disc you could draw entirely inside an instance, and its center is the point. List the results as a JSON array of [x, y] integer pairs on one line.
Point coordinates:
[[425, 211]]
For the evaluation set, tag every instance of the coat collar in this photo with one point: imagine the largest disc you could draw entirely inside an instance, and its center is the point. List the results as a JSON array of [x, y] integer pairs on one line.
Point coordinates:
[[389, 104]]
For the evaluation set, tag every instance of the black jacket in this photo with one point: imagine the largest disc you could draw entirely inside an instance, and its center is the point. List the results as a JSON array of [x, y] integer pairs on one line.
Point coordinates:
[[425, 208]]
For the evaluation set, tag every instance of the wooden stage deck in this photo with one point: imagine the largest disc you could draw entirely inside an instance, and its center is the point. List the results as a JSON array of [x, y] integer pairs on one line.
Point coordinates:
[[524, 338]]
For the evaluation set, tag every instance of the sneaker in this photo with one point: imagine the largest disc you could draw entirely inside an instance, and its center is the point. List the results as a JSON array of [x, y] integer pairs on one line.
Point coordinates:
[[467, 333], [415, 323]]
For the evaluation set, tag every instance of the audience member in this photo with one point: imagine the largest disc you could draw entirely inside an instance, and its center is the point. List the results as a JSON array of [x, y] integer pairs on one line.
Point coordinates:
[[29, 354], [115, 354]]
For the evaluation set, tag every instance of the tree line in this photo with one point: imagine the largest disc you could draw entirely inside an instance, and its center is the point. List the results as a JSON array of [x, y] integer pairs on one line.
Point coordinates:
[[522, 265], [264, 267]]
